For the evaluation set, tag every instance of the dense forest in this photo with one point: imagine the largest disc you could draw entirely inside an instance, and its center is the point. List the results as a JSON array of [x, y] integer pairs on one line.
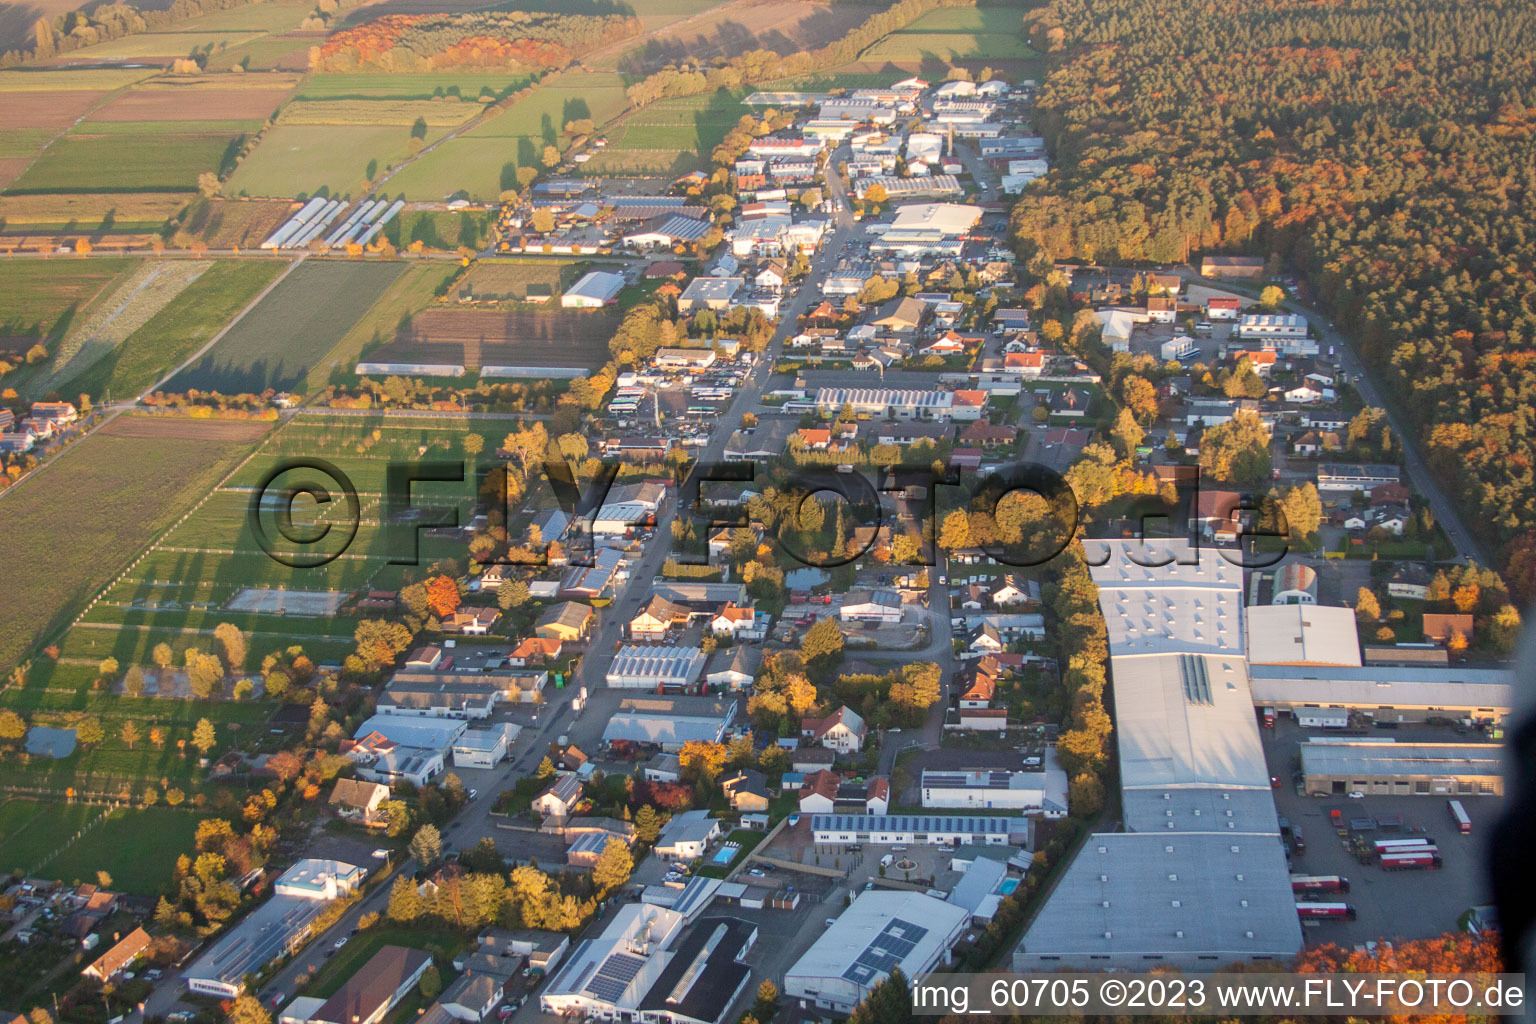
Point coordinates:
[[513, 40], [1384, 150]]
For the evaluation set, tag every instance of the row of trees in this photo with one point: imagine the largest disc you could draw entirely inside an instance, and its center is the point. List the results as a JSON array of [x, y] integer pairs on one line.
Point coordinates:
[[484, 39]]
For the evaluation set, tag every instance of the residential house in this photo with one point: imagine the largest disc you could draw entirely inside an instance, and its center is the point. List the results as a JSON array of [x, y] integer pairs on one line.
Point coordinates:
[[747, 790], [472, 621], [662, 768], [736, 622], [535, 650], [988, 435], [771, 277], [984, 639], [808, 760], [376, 988], [560, 798], [1069, 403], [358, 800], [116, 959], [656, 618], [818, 793], [686, 836], [1409, 581], [842, 731], [1221, 308], [1010, 591], [1440, 627]]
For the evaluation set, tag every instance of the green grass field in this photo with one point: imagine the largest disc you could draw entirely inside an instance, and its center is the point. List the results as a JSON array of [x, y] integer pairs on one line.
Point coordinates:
[[949, 34], [158, 160], [138, 485], [293, 329], [467, 86], [130, 845], [301, 159], [165, 45], [30, 831], [178, 330], [670, 136], [483, 161], [263, 53], [39, 298]]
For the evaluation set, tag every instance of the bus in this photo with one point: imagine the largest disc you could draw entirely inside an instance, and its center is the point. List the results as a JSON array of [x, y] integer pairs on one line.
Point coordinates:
[[1325, 911], [1459, 816], [1319, 883]]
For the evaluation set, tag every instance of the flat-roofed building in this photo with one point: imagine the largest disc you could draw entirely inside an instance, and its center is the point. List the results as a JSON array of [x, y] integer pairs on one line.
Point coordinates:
[[1199, 878], [594, 290], [879, 933], [669, 722], [1344, 476], [1336, 767], [1390, 693], [637, 667], [1302, 634], [273, 929]]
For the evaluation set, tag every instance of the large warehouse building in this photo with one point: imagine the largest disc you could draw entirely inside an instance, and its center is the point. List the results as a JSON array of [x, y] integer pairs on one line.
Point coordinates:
[[1198, 878], [669, 722], [1336, 767], [637, 667], [880, 932], [1390, 693], [1302, 634]]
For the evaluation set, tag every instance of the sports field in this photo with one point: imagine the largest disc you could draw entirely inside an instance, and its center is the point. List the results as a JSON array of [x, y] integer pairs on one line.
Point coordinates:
[[139, 485], [291, 330], [30, 830], [177, 330]]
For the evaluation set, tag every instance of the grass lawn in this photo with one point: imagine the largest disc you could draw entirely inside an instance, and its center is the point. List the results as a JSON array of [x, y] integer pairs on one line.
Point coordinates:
[[89, 79], [443, 943], [307, 159], [178, 330], [293, 329], [131, 846], [30, 831], [60, 553], [159, 159]]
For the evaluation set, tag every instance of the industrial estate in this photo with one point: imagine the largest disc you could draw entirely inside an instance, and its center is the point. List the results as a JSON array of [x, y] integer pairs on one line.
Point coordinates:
[[715, 512]]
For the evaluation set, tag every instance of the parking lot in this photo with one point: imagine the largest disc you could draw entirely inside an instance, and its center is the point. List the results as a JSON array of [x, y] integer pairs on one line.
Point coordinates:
[[1391, 905]]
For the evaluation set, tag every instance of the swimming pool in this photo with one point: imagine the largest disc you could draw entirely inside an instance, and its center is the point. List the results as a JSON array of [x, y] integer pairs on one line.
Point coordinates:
[[1009, 884], [726, 853]]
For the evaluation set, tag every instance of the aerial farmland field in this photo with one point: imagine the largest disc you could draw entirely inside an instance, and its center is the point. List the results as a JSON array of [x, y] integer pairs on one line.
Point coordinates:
[[556, 339], [304, 159], [177, 330], [466, 86], [292, 329], [155, 159], [482, 162], [138, 484]]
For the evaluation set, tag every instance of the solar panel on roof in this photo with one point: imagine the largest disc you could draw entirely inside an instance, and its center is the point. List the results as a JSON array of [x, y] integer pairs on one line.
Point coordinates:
[[614, 976]]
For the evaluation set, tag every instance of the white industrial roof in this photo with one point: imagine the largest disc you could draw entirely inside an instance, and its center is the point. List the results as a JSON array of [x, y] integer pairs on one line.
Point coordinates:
[[1374, 686], [1165, 896], [598, 285], [1302, 634], [879, 931], [413, 730], [1400, 759], [950, 218]]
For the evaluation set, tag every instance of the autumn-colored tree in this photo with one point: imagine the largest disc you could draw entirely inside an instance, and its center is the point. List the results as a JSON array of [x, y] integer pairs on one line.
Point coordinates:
[[203, 736], [443, 596], [1367, 607], [702, 759], [130, 734]]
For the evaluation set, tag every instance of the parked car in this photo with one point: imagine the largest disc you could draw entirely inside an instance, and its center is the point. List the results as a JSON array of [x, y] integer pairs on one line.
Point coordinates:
[[341, 942]]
